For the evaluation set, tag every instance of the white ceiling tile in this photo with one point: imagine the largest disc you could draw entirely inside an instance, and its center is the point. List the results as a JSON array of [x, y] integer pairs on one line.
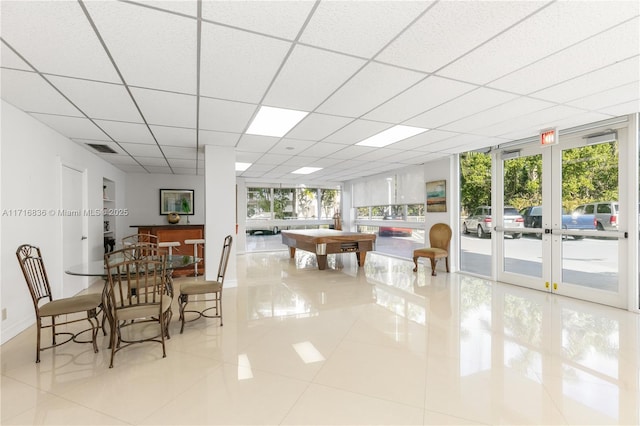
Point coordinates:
[[152, 161], [218, 138], [238, 65], [166, 170], [425, 95], [8, 59], [225, 116], [358, 97], [356, 131], [309, 76], [554, 28], [174, 136], [277, 18], [187, 171], [318, 126], [127, 132], [247, 157], [465, 105], [34, 29], [611, 97], [151, 48], [359, 27], [182, 153], [577, 60], [423, 139], [352, 152], [182, 163], [142, 150], [71, 127], [133, 168], [165, 108], [30, 92], [299, 161], [379, 154], [594, 82], [631, 107], [539, 120], [274, 159], [186, 7], [290, 147], [321, 149], [498, 114], [256, 143], [451, 29], [98, 100]]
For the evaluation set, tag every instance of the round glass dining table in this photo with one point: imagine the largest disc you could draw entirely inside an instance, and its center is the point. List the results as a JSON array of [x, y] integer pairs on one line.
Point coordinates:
[[97, 268]]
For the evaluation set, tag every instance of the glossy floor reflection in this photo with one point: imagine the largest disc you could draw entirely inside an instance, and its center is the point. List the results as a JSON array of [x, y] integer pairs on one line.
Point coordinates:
[[348, 345]]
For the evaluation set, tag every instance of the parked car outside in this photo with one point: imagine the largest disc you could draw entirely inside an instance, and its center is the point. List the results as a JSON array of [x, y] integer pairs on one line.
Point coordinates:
[[480, 222], [577, 220], [606, 213], [261, 224], [394, 231]]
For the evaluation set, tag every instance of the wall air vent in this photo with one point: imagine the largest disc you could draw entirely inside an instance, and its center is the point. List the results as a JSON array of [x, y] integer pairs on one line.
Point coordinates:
[[104, 149]]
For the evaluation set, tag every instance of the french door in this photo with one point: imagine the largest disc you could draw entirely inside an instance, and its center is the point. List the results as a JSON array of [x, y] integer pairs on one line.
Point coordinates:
[[560, 252]]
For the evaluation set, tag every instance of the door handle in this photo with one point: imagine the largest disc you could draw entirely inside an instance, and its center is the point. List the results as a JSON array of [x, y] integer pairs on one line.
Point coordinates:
[[83, 238], [547, 230]]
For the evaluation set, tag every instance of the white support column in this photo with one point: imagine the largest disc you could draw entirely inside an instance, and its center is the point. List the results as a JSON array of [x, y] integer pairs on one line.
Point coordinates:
[[220, 209]]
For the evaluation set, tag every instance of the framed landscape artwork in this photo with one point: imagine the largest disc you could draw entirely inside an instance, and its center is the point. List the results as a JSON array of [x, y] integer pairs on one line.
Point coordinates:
[[176, 201], [437, 196]]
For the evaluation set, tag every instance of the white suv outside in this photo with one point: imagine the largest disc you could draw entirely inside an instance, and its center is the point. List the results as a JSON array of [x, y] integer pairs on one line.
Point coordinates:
[[606, 213], [480, 221]]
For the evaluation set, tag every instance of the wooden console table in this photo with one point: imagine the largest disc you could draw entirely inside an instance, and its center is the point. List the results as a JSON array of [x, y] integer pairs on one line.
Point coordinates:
[[178, 233]]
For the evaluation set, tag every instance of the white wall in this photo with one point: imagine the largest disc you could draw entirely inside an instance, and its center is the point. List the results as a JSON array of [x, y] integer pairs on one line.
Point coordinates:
[[32, 154], [143, 200]]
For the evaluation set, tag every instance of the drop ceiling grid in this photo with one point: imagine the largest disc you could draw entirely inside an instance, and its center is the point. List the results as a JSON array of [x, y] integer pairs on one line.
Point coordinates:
[[356, 131], [594, 82], [498, 114], [126, 132], [71, 127], [98, 100], [30, 92], [206, 137], [576, 60], [359, 28], [463, 106], [150, 48], [70, 49], [238, 65], [447, 32], [278, 19], [551, 30], [11, 60], [608, 98], [357, 96], [316, 127], [309, 77], [166, 108], [427, 94], [174, 136], [225, 116]]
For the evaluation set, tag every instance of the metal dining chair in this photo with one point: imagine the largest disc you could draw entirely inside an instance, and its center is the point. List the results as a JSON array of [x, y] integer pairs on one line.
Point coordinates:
[[50, 311]]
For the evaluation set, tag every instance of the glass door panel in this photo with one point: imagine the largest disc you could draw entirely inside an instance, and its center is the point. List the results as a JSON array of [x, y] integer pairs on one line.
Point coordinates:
[[585, 221], [520, 240]]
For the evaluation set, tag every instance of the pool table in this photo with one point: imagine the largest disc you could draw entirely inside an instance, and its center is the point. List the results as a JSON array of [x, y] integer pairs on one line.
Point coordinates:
[[328, 241]]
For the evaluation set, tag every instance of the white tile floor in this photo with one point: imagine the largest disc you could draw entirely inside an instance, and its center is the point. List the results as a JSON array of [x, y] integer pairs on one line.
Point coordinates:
[[348, 345]]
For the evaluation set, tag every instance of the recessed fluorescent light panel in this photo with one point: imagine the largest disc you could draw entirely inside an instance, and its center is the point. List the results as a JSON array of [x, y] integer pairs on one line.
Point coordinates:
[[392, 135], [277, 122], [306, 170], [241, 167]]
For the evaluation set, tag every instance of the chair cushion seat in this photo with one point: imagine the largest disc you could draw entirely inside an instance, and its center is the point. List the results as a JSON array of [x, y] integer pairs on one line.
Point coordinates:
[[143, 311], [71, 305], [430, 252], [201, 287]]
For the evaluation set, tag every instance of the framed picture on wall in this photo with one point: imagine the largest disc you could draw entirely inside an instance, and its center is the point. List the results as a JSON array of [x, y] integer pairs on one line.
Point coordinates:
[[176, 201], [437, 196]]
